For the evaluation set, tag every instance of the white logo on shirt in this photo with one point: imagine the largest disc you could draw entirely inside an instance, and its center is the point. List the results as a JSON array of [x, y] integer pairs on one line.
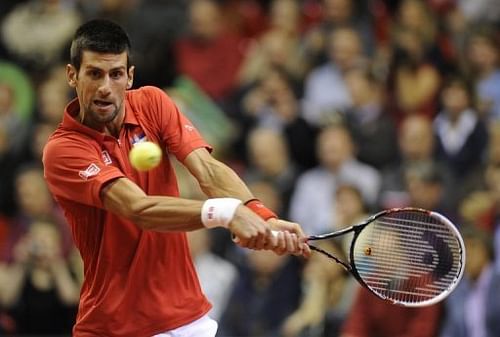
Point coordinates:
[[90, 171], [189, 127], [106, 157]]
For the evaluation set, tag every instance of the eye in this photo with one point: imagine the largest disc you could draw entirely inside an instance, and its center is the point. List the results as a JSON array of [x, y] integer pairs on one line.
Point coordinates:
[[116, 74], [94, 73]]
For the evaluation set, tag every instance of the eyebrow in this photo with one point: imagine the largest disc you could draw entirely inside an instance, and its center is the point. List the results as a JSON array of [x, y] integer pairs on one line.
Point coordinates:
[[91, 67]]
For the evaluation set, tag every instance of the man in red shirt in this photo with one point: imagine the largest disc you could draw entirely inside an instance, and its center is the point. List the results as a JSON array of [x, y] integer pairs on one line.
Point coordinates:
[[130, 226]]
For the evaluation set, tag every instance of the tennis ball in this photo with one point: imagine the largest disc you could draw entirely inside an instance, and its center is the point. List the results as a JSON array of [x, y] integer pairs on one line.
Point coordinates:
[[145, 155]]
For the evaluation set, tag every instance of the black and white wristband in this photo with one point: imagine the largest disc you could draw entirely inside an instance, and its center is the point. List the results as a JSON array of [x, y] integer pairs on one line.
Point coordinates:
[[218, 212]]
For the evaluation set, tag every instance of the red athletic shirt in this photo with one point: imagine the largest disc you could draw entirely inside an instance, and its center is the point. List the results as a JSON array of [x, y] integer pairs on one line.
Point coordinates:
[[137, 283]]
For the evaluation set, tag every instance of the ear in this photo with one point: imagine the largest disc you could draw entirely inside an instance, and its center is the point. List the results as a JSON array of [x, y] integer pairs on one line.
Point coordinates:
[[130, 80], [71, 75]]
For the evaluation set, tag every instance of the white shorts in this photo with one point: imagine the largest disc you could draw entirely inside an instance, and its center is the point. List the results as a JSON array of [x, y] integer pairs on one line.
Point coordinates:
[[202, 327]]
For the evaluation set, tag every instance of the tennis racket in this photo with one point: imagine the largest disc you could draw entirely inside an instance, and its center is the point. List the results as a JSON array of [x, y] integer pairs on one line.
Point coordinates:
[[408, 256]]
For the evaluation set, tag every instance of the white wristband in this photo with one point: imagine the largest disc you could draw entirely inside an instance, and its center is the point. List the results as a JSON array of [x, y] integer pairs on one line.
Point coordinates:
[[218, 212]]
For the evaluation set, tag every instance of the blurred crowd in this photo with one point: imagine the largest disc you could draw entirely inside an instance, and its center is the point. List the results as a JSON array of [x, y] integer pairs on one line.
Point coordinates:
[[330, 110]]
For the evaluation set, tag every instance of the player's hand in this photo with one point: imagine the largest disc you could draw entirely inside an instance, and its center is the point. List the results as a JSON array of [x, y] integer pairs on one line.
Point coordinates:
[[290, 238], [249, 230]]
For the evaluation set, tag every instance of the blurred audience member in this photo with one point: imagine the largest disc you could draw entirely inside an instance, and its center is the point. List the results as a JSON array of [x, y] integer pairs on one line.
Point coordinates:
[[209, 54], [273, 103], [350, 209], [416, 147], [472, 308], [13, 138], [372, 317], [339, 13], [462, 137], [484, 57], [217, 276], [37, 31], [480, 11], [279, 46], [313, 200], [266, 292], [52, 96], [425, 187], [270, 162], [40, 269], [325, 92], [327, 296], [414, 81], [372, 128]]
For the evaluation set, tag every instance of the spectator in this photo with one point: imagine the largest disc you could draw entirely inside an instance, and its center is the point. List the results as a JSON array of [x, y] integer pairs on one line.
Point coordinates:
[[37, 31], [279, 46], [325, 92], [414, 81], [461, 136], [273, 103], [217, 275], [270, 161], [326, 299], [472, 309], [416, 143], [266, 292], [13, 139], [372, 317], [483, 57], [372, 128], [339, 13], [40, 270], [480, 11], [350, 209], [313, 201], [209, 51]]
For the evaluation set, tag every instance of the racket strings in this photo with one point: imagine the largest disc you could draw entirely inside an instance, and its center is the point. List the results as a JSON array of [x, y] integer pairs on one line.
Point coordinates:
[[407, 257]]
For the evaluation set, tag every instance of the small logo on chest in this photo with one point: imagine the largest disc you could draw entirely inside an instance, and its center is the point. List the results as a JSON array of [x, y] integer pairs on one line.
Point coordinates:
[[138, 138], [106, 158]]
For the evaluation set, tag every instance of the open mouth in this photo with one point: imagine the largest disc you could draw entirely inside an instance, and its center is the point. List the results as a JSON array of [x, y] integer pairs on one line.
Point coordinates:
[[102, 104]]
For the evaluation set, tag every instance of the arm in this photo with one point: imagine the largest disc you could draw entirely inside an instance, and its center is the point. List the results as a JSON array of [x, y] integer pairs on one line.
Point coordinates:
[[218, 180], [162, 213]]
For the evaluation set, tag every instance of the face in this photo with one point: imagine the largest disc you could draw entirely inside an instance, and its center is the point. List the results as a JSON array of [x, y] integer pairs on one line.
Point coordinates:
[[416, 139], [100, 85], [334, 148], [455, 99]]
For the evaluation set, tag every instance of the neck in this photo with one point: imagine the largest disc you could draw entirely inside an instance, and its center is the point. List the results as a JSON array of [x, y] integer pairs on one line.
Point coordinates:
[[111, 128]]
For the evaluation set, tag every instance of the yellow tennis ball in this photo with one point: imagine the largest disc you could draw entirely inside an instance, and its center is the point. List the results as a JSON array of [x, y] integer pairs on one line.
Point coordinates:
[[145, 155]]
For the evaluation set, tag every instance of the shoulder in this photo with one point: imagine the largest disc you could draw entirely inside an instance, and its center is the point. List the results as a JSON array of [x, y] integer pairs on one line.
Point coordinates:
[[63, 145], [143, 94]]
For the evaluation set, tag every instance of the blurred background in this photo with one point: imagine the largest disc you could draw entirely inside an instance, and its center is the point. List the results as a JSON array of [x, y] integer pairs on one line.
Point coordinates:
[[330, 110]]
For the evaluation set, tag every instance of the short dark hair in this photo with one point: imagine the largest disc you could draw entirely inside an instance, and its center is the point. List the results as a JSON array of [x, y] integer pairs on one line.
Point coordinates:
[[101, 36]]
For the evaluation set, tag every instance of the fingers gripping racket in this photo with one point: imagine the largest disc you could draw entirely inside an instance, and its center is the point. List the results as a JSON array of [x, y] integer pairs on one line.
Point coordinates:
[[407, 256]]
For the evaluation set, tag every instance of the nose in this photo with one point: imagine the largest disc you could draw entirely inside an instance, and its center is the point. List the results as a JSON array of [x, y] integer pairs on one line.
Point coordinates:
[[104, 87]]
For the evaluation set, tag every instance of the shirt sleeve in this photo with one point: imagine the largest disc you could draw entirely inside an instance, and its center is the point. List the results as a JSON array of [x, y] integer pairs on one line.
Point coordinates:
[[176, 130], [75, 170]]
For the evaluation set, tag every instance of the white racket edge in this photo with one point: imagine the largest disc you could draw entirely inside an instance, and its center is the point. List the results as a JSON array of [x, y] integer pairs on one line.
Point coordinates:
[[454, 284]]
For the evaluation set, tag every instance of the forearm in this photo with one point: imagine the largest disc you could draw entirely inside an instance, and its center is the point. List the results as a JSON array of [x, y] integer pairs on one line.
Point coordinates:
[[159, 213], [221, 181], [168, 214]]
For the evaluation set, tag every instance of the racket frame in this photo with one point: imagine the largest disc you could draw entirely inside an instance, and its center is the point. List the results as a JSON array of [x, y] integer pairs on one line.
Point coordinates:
[[350, 265]]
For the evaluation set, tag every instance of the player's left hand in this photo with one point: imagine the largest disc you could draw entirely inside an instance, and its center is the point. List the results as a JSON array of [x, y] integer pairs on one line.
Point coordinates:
[[288, 238]]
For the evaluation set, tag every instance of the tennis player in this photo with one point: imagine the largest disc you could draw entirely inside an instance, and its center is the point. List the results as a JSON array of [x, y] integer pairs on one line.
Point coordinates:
[[130, 226]]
